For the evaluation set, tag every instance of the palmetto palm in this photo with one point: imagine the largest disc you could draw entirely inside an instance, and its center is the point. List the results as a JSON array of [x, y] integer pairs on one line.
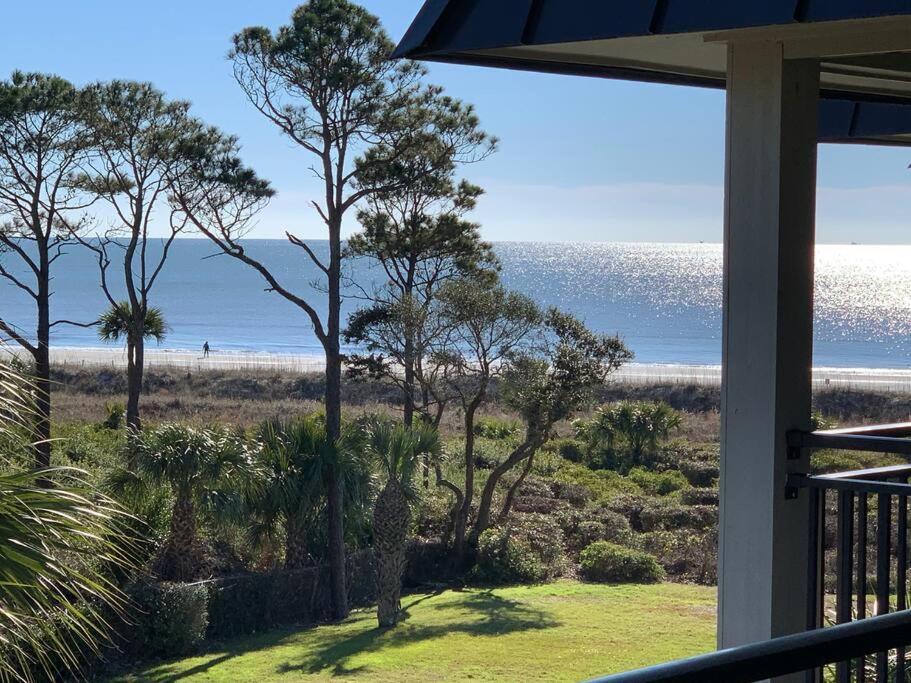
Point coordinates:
[[115, 324], [293, 458], [58, 541], [398, 450], [207, 470], [638, 426]]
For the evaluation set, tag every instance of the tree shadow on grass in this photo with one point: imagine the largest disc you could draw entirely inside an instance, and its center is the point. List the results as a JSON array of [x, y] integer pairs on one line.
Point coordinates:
[[483, 614]]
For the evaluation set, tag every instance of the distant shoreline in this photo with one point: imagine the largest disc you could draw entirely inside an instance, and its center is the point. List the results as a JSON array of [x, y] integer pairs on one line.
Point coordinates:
[[883, 379]]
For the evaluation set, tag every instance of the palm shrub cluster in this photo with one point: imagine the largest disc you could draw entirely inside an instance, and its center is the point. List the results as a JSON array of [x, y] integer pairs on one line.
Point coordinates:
[[625, 434], [287, 500], [61, 543], [205, 470]]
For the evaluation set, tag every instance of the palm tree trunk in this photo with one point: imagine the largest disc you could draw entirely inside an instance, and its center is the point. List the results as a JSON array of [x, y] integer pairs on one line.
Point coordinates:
[[181, 558], [135, 367], [391, 517]]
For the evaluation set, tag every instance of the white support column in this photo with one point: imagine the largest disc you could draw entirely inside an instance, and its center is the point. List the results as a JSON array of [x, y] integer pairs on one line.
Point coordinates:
[[770, 190]]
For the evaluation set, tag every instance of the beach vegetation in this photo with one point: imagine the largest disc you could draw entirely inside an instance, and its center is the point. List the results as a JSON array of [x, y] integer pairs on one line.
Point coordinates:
[[610, 563], [625, 434], [371, 126], [63, 546], [205, 470]]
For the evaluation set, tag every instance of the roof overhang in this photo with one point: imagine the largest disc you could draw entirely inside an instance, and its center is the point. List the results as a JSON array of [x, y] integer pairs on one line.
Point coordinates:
[[863, 46]]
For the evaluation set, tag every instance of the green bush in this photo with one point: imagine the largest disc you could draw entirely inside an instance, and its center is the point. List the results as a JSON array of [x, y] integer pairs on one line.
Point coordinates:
[[684, 553], [116, 413], [495, 428], [604, 485], [570, 449], [250, 603], [699, 496], [169, 619], [598, 525], [658, 483], [699, 472], [610, 563], [658, 515], [527, 549]]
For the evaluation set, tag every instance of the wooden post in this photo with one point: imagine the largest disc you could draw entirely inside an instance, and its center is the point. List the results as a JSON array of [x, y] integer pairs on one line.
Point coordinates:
[[770, 190]]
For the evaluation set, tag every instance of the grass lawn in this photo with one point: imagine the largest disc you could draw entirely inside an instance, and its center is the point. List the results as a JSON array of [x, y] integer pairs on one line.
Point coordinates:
[[560, 631]]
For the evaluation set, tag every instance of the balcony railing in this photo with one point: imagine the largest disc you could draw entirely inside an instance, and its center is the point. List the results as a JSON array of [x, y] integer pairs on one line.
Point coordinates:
[[858, 539], [858, 621]]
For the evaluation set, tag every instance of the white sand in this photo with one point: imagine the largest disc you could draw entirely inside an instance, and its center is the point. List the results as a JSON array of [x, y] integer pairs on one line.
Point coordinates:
[[636, 373]]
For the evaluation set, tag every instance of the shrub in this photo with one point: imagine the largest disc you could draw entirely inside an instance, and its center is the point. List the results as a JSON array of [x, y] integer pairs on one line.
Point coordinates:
[[599, 525], [115, 416], [657, 515], [699, 472], [699, 496], [658, 483], [625, 434], [494, 428], [527, 549], [570, 449], [251, 603], [604, 485], [611, 563], [574, 494], [630, 507], [685, 554], [169, 620]]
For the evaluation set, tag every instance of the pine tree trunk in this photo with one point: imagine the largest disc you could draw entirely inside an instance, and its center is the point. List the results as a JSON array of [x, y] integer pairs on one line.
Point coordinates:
[[332, 479], [391, 517], [42, 379]]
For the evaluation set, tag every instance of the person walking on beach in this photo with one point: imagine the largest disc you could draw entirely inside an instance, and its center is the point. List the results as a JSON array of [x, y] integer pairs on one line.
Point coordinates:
[[205, 350]]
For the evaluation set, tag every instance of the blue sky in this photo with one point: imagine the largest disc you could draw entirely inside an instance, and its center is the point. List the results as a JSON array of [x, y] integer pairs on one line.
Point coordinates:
[[580, 159]]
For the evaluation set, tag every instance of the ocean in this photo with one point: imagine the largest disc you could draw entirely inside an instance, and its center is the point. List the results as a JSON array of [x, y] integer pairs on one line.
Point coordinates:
[[663, 299]]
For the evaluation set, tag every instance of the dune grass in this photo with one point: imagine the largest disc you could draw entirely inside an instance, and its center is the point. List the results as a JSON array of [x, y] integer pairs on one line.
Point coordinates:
[[560, 631]]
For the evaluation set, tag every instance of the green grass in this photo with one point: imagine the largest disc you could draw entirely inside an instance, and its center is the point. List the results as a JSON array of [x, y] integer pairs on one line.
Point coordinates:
[[560, 631]]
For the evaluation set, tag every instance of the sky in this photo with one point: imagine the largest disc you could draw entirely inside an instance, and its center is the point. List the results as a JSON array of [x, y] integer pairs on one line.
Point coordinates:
[[579, 159]]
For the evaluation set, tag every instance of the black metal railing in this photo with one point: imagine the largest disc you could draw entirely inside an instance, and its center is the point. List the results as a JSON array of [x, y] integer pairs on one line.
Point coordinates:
[[800, 652], [858, 554], [858, 621]]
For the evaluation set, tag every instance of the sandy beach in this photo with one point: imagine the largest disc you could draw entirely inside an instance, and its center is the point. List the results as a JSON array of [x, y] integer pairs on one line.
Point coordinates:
[[897, 380]]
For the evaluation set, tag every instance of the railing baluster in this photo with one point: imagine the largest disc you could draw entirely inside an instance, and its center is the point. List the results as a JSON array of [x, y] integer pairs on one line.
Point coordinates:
[[816, 562], [861, 573], [901, 576], [883, 538], [844, 589]]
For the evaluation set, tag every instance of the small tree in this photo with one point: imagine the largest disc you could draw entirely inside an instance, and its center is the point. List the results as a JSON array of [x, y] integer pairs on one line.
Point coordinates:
[[141, 142], [43, 142], [419, 236], [206, 470], [398, 450], [483, 327], [547, 383], [290, 457], [114, 323]]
